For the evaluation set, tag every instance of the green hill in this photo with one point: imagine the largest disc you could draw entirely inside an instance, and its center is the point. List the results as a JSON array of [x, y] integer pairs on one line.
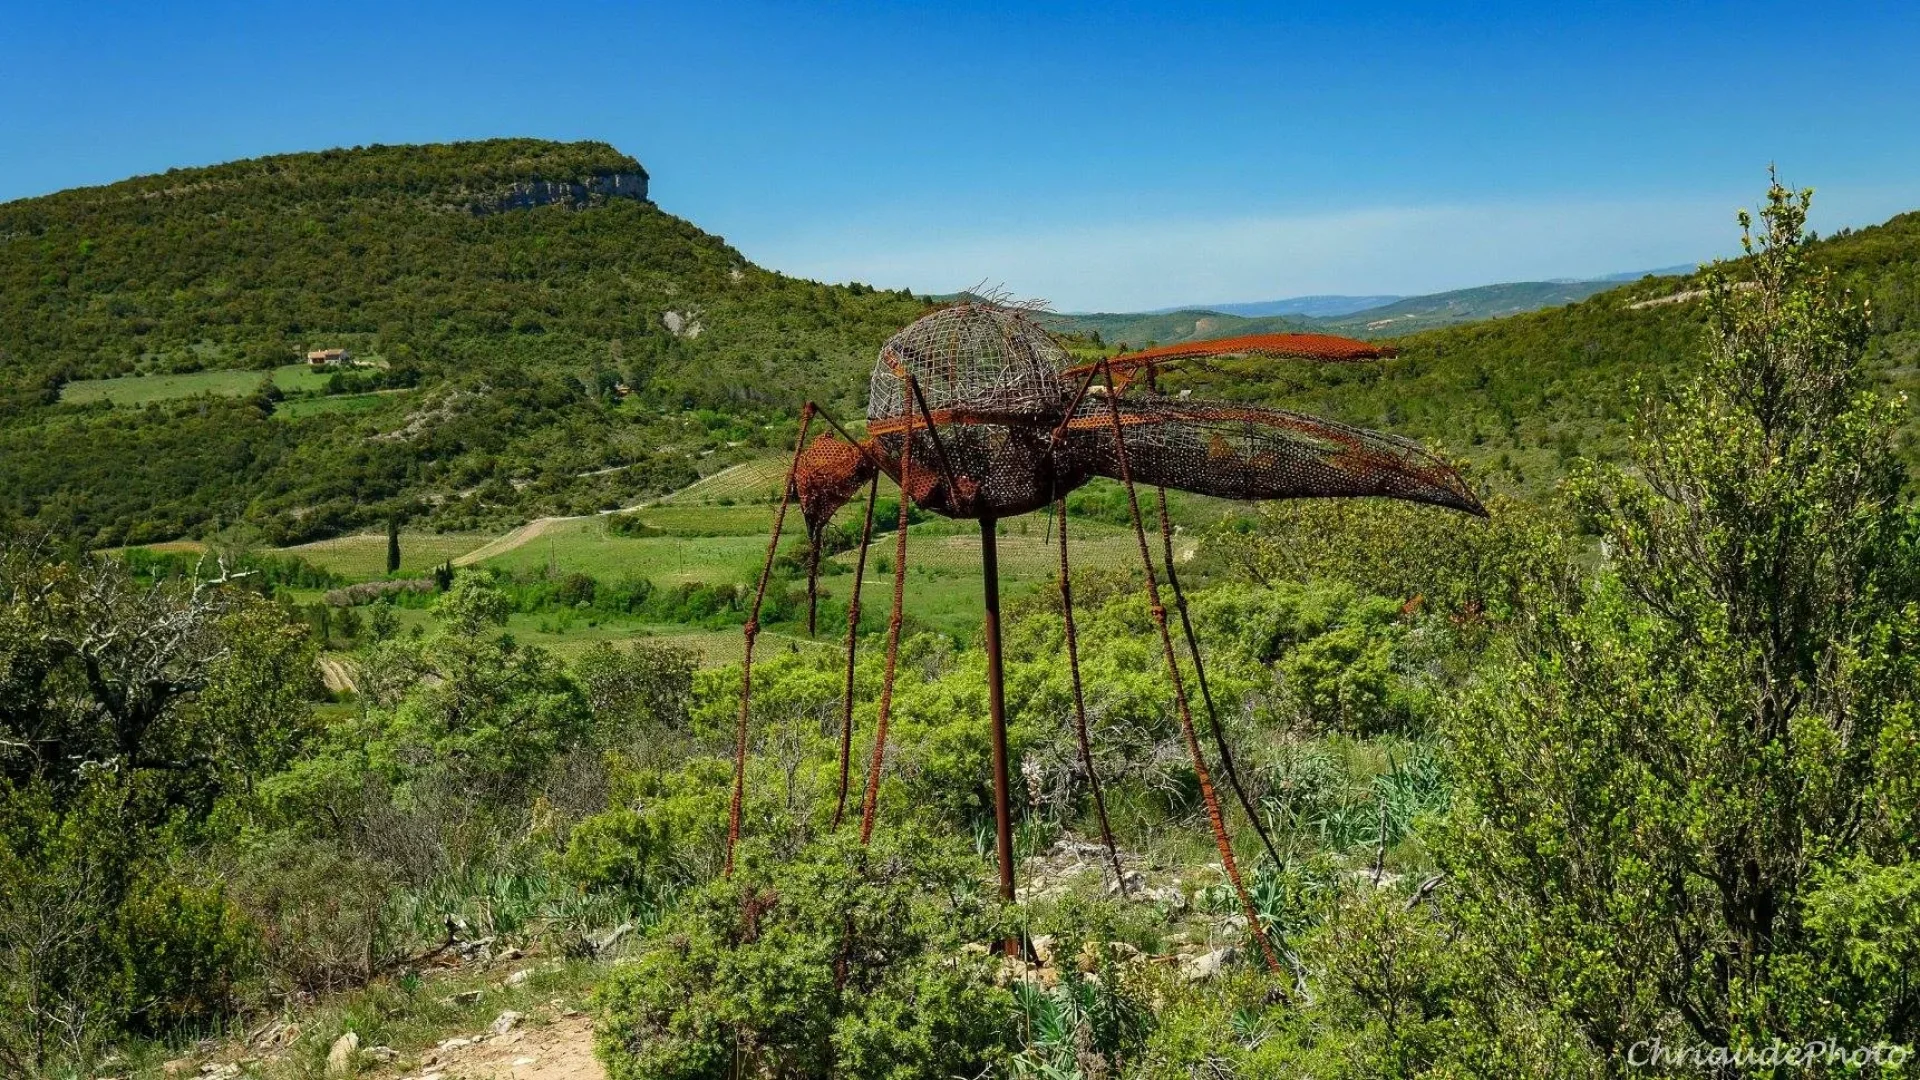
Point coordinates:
[[500, 291], [1524, 396]]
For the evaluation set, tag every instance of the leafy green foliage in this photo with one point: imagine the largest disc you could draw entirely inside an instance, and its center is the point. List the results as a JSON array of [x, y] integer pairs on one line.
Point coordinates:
[[1669, 767], [844, 961]]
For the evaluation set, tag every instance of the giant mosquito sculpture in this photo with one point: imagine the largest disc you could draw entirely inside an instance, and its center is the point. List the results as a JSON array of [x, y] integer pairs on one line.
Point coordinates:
[[975, 411]]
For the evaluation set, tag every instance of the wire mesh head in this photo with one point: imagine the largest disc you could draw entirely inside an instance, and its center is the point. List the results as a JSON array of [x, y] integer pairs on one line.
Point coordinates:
[[977, 357]]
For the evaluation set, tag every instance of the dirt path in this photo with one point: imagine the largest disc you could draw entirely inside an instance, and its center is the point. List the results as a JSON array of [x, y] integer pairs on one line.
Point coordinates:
[[561, 1050], [519, 537]]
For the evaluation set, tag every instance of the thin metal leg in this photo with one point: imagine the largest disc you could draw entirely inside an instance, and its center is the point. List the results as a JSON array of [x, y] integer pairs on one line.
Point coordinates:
[[997, 708], [1206, 694], [893, 640], [1214, 815], [752, 631], [1080, 703], [853, 639]]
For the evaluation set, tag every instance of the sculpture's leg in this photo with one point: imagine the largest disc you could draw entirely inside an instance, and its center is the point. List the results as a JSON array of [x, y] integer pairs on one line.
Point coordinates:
[[1080, 702], [1159, 611], [853, 638], [893, 639], [997, 708], [814, 536], [752, 631], [1200, 677]]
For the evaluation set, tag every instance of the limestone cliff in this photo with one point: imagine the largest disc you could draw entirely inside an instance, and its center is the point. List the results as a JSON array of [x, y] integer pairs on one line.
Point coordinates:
[[527, 194]]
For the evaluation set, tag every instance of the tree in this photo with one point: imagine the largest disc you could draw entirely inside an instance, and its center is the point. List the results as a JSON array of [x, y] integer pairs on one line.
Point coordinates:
[[1678, 777], [393, 545], [127, 712]]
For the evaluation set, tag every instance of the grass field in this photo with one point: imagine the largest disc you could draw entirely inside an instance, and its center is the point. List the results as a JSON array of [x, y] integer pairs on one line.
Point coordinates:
[[141, 389], [589, 546], [944, 586], [363, 556], [715, 533], [695, 519], [756, 481]]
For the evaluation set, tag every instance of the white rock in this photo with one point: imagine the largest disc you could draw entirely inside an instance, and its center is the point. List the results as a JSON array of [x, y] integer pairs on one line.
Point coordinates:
[[340, 1058], [520, 977], [1207, 965], [519, 1061], [1169, 896], [505, 1022]]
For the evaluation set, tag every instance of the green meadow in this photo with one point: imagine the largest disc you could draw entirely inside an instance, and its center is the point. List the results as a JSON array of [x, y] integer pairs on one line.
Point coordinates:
[[142, 389]]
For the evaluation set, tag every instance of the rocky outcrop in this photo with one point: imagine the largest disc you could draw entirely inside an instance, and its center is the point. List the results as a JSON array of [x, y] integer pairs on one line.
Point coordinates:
[[528, 194]]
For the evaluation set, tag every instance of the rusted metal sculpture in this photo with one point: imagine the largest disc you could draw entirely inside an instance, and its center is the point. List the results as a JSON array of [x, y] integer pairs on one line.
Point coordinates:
[[975, 411]]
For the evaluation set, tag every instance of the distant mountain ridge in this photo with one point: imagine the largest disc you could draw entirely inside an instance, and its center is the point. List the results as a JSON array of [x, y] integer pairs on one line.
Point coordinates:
[[1336, 305], [1360, 316], [1313, 307]]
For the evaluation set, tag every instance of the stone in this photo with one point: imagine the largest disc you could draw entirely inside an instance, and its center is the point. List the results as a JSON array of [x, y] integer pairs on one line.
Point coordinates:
[[464, 997], [1207, 965], [177, 1067], [1012, 970], [385, 1055], [505, 1022], [1118, 951], [1132, 879], [1043, 949], [340, 1057], [1167, 896], [519, 978], [519, 1061], [612, 937]]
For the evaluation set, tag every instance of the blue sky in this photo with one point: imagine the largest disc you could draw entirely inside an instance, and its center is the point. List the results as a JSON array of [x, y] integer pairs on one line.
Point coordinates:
[[1112, 156]]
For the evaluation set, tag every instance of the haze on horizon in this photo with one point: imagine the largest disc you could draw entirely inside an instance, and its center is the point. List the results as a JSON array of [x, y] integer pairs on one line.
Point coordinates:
[[1105, 159]]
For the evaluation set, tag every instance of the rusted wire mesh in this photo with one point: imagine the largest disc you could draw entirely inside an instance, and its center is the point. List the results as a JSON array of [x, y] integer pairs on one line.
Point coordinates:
[[977, 412], [1003, 425]]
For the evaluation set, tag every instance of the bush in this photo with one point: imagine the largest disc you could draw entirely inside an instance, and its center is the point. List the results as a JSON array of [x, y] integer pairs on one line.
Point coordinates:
[[318, 912], [842, 962]]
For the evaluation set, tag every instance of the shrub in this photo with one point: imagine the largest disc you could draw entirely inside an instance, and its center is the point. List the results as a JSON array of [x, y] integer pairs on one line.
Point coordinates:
[[318, 913], [843, 961]]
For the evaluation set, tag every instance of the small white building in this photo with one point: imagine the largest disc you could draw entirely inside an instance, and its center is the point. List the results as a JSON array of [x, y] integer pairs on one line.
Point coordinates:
[[323, 358]]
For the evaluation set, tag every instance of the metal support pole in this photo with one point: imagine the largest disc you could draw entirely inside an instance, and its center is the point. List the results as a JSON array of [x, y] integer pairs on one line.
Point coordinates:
[[997, 706]]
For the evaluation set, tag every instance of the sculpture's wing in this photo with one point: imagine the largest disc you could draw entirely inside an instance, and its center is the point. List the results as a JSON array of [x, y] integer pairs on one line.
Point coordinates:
[[1325, 348], [1245, 452]]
